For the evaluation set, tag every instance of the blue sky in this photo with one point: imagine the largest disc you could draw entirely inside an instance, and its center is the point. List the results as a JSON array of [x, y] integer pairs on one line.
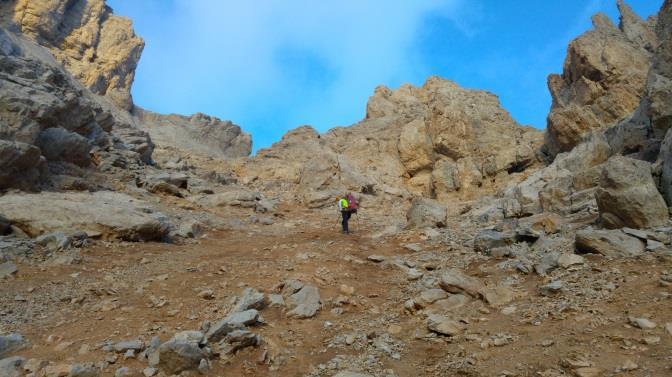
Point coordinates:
[[273, 65]]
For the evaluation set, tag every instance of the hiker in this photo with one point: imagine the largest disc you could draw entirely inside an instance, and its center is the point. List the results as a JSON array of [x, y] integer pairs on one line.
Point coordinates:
[[347, 205]]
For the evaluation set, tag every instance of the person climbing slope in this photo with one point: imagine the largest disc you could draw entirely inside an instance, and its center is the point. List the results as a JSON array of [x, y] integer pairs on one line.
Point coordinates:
[[347, 205]]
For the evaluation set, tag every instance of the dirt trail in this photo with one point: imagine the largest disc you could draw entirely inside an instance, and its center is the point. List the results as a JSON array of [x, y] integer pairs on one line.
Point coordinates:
[[125, 291]]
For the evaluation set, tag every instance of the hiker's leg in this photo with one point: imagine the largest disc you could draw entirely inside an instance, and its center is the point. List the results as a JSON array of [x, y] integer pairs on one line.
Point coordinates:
[[344, 222]]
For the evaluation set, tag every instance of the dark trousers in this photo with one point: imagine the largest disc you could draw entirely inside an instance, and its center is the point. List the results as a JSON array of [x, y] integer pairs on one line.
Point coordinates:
[[346, 218]]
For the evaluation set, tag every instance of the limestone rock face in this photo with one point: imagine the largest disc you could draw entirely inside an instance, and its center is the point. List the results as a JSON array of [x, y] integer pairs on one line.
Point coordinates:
[[627, 195], [432, 141], [603, 80], [100, 49], [198, 134]]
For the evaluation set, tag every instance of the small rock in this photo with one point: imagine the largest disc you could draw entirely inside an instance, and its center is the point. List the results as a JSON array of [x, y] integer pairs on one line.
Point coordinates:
[[304, 303], [347, 290], [84, 370], [552, 288], [203, 366], [206, 294], [11, 366], [588, 372], [413, 274], [394, 329], [276, 301], [250, 299], [35, 365], [122, 372], [62, 346], [444, 325], [642, 323], [176, 356], [568, 260], [655, 246], [58, 370], [149, 372], [11, 343], [376, 258], [130, 354], [135, 345], [629, 365], [668, 328]]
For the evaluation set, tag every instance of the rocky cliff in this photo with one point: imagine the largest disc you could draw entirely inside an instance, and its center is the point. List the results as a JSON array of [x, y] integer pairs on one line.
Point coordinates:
[[603, 79], [100, 49], [631, 121], [435, 140]]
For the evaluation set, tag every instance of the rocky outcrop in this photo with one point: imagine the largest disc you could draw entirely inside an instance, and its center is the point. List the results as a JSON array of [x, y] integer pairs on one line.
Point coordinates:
[[100, 49], [104, 213], [627, 195], [603, 80], [432, 141], [197, 134]]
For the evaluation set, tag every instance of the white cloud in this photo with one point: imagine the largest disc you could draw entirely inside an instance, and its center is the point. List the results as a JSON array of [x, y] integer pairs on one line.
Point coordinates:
[[228, 55]]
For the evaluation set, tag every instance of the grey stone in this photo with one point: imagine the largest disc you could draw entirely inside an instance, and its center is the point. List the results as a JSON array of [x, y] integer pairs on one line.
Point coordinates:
[[552, 288], [189, 229], [250, 299], [276, 301], [234, 321], [487, 240], [548, 263], [238, 339], [426, 213], [11, 366], [456, 281], [642, 323], [612, 243], [177, 356], [304, 303], [84, 370], [628, 196], [8, 269], [109, 213], [123, 372], [56, 241], [149, 372], [444, 325], [135, 345], [11, 343]]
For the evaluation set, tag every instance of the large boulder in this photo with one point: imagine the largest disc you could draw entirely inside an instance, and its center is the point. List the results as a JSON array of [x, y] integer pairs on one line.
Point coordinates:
[[628, 196], [111, 214], [426, 213], [611, 243]]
